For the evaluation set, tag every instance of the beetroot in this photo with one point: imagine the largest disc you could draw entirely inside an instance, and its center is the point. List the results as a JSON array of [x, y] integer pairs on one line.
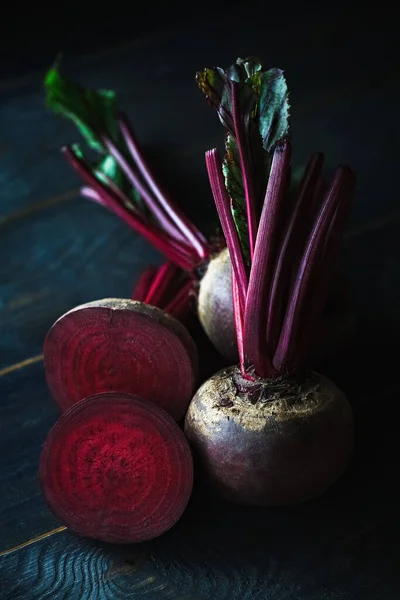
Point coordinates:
[[116, 468], [273, 442], [121, 345], [270, 431], [122, 182]]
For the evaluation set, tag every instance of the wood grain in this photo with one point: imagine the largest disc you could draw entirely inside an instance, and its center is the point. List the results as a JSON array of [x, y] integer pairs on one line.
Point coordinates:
[[27, 414], [344, 545]]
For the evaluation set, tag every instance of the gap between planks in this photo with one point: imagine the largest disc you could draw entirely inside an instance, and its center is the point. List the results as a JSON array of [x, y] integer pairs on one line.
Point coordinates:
[[22, 364], [33, 540], [39, 206]]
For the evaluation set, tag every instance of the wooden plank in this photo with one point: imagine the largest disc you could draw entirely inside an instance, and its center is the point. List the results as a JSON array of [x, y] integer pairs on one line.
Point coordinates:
[[27, 414], [343, 545], [72, 254]]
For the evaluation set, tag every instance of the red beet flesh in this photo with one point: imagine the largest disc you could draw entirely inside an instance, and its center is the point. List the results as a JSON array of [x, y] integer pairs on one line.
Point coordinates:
[[116, 468], [270, 443], [124, 346]]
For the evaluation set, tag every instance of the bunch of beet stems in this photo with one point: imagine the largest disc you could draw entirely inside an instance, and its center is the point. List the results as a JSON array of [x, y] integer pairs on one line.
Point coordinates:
[[166, 287], [278, 298], [163, 224]]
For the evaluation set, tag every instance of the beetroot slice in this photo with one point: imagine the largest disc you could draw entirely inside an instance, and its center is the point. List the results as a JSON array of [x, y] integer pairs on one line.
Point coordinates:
[[116, 468], [115, 345]]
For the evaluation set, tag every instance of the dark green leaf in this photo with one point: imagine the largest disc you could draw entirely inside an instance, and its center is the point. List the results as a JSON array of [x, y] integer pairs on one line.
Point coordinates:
[[94, 112], [274, 108], [214, 83], [234, 185], [261, 120]]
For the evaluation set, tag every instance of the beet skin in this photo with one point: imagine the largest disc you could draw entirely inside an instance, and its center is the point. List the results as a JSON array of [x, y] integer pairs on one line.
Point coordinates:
[[278, 443]]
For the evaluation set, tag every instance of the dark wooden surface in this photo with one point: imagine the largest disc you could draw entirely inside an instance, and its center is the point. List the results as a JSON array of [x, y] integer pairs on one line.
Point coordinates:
[[58, 250]]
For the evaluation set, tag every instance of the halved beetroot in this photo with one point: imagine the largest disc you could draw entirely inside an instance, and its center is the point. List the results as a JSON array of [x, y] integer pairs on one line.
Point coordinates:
[[116, 468], [115, 345]]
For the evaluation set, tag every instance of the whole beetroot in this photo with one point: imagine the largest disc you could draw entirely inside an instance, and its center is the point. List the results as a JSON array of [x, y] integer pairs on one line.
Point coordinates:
[[270, 431]]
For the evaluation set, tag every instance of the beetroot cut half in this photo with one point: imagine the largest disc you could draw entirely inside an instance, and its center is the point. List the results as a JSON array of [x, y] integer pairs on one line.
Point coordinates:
[[115, 345], [116, 468]]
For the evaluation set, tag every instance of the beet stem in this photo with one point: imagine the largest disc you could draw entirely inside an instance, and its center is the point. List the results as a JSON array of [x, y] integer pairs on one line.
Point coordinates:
[[191, 233], [161, 284], [180, 305], [143, 284], [238, 315], [289, 249], [108, 199], [326, 263], [88, 192], [163, 219], [255, 316], [245, 168], [311, 266], [222, 202]]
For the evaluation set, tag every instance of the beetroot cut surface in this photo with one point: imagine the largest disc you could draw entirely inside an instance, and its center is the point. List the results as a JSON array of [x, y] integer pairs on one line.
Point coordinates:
[[116, 468], [114, 345]]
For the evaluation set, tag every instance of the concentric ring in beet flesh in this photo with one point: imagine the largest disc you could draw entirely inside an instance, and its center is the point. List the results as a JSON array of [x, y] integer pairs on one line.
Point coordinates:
[[116, 468], [115, 345]]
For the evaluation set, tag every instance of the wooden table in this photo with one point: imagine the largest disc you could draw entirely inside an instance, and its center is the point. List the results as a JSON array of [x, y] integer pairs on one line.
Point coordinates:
[[59, 250]]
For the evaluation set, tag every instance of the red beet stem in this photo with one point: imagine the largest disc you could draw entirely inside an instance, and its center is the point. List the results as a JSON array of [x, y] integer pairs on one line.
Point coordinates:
[[161, 284], [116, 468], [256, 349], [326, 265], [109, 199], [191, 233], [222, 202], [238, 315], [290, 247], [121, 345], [163, 219], [288, 354], [245, 166], [143, 284], [181, 304]]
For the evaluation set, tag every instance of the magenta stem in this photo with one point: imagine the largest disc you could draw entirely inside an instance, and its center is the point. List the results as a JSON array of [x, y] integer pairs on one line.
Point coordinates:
[[238, 315], [325, 268], [143, 284], [222, 203], [255, 316], [295, 326], [289, 249], [109, 199], [89, 193], [245, 168], [191, 233], [163, 219], [161, 284], [180, 305]]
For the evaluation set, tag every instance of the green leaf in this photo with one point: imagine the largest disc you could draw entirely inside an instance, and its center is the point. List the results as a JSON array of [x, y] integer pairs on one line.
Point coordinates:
[[263, 120], [94, 112], [274, 108], [234, 186]]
